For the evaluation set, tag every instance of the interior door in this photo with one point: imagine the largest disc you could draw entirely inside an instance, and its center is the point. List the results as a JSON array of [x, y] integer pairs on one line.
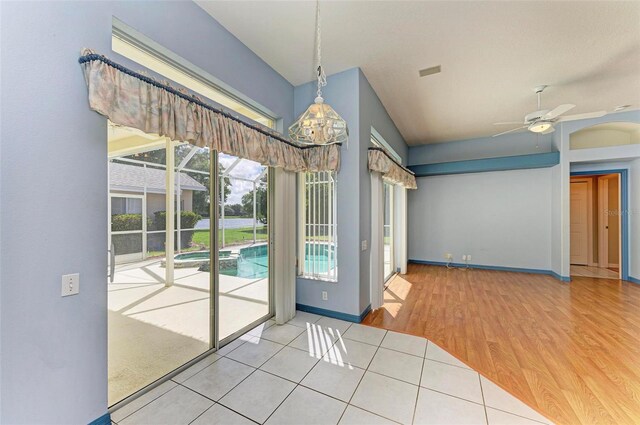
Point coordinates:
[[579, 223]]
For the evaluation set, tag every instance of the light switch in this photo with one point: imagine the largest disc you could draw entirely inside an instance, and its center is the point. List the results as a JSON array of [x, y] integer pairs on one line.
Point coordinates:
[[70, 284], [363, 245]]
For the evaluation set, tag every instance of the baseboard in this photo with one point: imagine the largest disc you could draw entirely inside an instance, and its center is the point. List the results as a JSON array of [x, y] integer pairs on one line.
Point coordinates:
[[102, 420], [335, 314], [498, 268], [634, 280]]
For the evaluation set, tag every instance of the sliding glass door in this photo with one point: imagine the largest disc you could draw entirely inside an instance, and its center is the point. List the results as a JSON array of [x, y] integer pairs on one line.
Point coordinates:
[[243, 237], [388, 231], [166, 304]]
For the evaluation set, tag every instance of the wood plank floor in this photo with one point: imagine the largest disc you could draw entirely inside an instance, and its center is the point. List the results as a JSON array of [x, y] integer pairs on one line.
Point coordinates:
[[569, 350]]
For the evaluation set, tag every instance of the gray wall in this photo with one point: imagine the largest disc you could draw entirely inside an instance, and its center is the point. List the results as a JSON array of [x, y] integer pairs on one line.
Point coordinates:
[[54, 166]]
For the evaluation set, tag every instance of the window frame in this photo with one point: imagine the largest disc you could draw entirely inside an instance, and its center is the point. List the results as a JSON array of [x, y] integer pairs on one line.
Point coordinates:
[[303, 225]]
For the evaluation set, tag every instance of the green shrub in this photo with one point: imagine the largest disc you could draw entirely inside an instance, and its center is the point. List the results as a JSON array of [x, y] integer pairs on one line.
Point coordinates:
[[188, 220], [123, 222]]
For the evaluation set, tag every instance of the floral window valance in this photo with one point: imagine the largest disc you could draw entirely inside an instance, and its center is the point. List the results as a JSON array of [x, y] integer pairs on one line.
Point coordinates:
[[134, 100], [380, 161]]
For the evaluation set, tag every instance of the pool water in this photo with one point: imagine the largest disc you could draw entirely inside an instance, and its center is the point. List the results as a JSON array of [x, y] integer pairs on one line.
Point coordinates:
[[253, 261]]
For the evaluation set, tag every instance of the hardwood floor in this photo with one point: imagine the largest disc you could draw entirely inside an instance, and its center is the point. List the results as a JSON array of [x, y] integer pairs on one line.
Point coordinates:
[[569, 350]]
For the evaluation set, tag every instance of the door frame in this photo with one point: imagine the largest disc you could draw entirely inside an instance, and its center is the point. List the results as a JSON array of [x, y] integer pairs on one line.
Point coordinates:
[[590, 258], [129, 258], [623, 184]]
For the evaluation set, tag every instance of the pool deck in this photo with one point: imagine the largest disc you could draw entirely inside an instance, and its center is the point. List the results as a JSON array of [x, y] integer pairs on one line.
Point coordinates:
[[155, 328]]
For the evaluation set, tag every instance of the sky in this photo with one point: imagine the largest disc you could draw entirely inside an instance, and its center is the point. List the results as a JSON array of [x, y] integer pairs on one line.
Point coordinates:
[[245, 169]]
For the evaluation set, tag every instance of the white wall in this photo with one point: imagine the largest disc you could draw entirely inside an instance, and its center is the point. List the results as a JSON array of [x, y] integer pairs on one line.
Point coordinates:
[[501, 218]]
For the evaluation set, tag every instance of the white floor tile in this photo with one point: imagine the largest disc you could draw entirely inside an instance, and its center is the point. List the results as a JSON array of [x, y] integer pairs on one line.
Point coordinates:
[[255, 352], [216, 380], [366, 334], [356, 416], [434, 408], [406, 343], [336, 324], [282, 334], [220, 415], [258, 396], [302, 319], [290, 363], [349, 352], [316, 341], [438, 354], [308, 407], [178, 406], [386, 397], [188, 373], [257, 331], [334, 380], [233, 345], [452, 380], [498, 417], [141, 401], [496, 397], [395, 364]]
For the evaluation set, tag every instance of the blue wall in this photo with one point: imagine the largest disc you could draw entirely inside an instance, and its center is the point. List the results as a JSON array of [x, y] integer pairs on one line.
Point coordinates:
[[54, 173], [484, 147], [372, 114], [341, 93], [351, 95]]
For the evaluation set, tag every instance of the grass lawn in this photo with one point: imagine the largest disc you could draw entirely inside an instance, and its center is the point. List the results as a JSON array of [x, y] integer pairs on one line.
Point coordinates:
[[232, 236]]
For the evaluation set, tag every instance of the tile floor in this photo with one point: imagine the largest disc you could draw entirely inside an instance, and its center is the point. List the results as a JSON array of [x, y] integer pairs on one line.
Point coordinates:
[[317, 370]]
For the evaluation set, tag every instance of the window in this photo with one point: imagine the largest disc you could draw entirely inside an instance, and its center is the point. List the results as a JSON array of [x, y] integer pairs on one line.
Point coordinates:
[[317, 258], [176, 69]]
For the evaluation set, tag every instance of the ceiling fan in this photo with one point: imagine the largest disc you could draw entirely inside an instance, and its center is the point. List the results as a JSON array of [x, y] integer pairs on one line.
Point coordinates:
[[542, 120]]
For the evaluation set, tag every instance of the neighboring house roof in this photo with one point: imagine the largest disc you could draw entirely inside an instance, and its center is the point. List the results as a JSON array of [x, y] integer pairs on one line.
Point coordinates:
[[131, 178]]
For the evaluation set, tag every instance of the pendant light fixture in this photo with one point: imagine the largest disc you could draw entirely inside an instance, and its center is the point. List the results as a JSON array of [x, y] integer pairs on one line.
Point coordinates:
[[320, 124]]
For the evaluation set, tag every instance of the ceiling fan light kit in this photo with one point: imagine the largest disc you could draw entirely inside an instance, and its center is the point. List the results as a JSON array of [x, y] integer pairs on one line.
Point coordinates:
[[542, 121]]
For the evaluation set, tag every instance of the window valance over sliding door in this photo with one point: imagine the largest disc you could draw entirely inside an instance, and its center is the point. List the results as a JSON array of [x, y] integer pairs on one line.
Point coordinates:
[[380, 161], [134, 100]]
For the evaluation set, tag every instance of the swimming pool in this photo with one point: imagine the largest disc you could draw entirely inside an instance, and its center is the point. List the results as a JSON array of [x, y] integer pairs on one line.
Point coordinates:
[[253, 262]]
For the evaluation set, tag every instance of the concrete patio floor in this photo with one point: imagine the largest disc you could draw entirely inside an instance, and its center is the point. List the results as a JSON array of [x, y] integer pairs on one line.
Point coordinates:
[[154, 328]]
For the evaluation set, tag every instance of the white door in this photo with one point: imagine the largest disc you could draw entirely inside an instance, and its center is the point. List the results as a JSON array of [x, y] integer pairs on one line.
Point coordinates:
[[579, 223]]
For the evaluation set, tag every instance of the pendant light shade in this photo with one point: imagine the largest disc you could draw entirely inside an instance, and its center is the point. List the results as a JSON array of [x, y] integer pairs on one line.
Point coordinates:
[[320, 124]]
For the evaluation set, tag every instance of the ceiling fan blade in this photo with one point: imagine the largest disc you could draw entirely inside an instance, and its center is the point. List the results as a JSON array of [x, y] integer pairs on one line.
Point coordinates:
[[557, 111], [583, 116], [509, 131], [548, 130], [508, 123]]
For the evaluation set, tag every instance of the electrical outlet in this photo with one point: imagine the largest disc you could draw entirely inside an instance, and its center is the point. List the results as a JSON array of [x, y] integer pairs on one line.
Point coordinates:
[[325, 296], [468, 257], [70, 284], [464, 258], [363, 245], [448, 256]]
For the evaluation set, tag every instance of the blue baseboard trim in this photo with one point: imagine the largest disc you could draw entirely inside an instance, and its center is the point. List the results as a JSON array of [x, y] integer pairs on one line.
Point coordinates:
[[102, 420], [498, 268], [518, 162], [335, 314], [634, 280]]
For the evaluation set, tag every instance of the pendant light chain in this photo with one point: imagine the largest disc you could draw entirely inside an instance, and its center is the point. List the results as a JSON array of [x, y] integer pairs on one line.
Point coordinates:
[[322, 78]]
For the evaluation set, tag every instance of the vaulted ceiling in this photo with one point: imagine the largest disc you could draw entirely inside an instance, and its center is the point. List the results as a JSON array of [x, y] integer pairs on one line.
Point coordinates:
[[492, 55]]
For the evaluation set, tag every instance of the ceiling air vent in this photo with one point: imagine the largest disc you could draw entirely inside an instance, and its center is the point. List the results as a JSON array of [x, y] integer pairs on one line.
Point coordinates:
[[430, 71]]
